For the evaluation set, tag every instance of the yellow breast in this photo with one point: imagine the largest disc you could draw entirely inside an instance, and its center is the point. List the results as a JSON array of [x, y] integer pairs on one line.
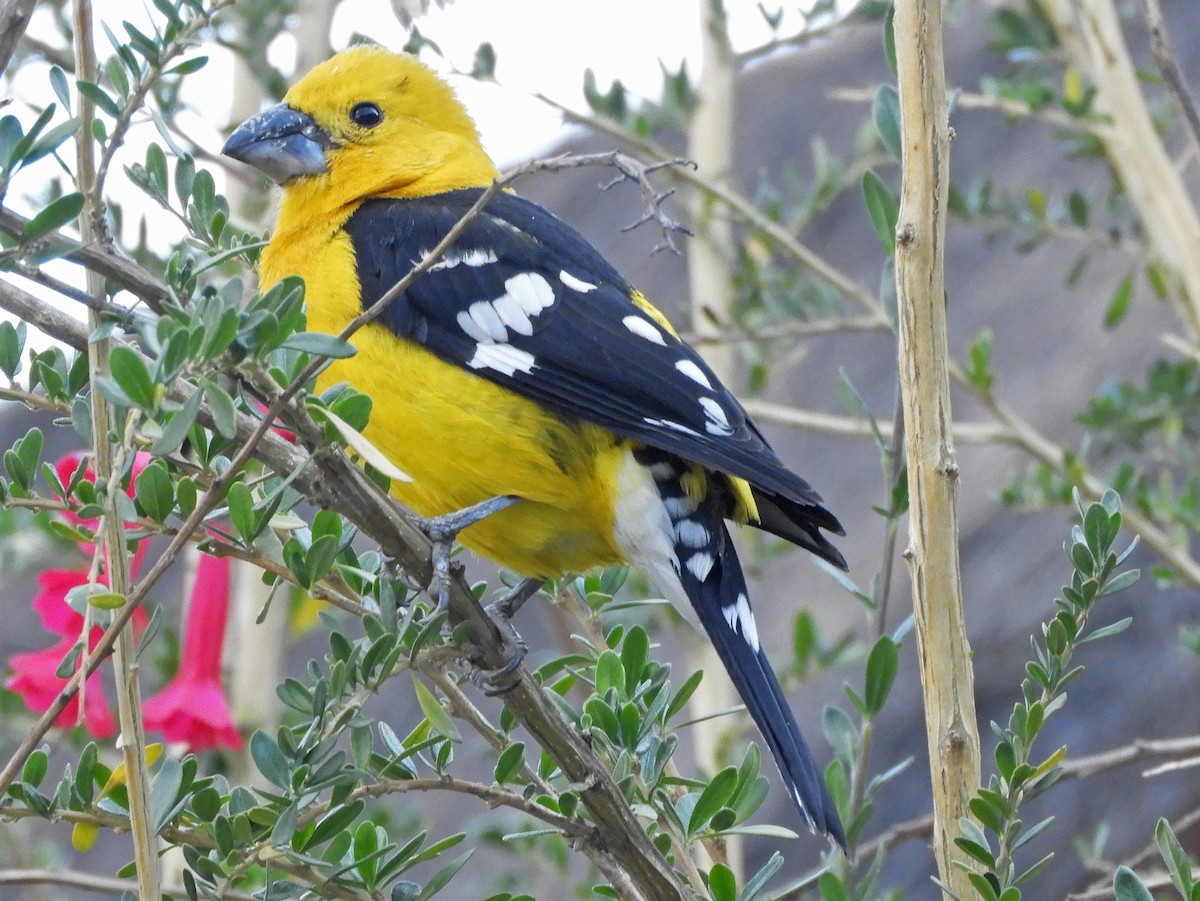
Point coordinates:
[[461, 438]]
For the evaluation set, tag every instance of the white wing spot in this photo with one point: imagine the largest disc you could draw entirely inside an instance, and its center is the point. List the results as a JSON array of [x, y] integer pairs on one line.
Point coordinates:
[[486, 317], [643, 329], [471, 328], [680, 507], [662, 470], [691, 534], [475, 257], [694, 372], [530, 292], [700, 564], [717, 423], [672, 425], [502, 357], [512, 315], [576, 284], [741, 619]]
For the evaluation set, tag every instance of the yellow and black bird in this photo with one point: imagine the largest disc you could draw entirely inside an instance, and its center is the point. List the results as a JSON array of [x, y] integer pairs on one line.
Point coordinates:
[[522, 364]]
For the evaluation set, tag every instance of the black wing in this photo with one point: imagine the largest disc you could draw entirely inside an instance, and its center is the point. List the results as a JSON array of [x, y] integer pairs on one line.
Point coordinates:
[[524, 301]]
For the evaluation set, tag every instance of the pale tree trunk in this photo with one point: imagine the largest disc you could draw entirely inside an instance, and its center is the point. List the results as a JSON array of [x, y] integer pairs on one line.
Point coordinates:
[[946, 677], [710, 140], [1090, 32]]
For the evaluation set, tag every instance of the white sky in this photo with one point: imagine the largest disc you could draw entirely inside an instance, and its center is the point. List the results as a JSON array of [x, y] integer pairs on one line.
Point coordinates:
[[545, 46]]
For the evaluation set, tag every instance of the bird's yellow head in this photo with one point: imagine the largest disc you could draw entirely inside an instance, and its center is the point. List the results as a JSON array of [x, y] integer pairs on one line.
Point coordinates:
[[365, 123]]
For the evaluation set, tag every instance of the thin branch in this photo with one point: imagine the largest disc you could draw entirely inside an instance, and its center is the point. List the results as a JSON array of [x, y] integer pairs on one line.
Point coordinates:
[[731, 333], [1009, 106], [107, 461], [858, 427], [802, 38], [14, 19], [1168, 65], [91, 883]]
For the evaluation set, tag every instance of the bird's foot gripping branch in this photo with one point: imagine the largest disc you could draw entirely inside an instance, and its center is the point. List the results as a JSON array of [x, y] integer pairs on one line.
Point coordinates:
[[443, 530]]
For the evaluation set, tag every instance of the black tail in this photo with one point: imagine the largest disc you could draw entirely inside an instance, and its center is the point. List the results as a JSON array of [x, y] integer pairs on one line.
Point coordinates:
[[722, 603]]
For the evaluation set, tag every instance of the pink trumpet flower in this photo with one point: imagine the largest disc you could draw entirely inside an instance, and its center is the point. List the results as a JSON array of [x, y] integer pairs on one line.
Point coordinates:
[[192, 708]]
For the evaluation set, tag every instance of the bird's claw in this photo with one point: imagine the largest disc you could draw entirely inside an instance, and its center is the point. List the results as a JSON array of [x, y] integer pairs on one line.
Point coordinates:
[[442, 530], [506, 607], [501, 680]]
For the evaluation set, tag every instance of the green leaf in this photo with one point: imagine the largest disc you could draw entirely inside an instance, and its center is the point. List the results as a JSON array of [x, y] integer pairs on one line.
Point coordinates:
[[439, 879], [56, 214], [882, 665], [334, 822], [270, 760], [187, 67], [889, 37], [1108, 631], [164, 792], [1173, 855], [510, 762], [1127, 886], [977, 851], [223, 410], [635, 650], [132, 376], [759, 880], [717, 794], [438, 718], [116, 74], [883, 208], [885, 113], [175, 428], [241, 511], [12, 347], [840, 731], [36, 765], [722, 884], [320, 345], [156, 170], [1119, 305], [1120, 582], [484, 65], [610, 673], [832, 888], [980, 353], [682, 696], [58, 81], [97, 95], [153, 491]]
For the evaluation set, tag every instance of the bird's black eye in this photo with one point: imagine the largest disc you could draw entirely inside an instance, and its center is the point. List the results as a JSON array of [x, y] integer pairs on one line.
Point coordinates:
[[366, 114]]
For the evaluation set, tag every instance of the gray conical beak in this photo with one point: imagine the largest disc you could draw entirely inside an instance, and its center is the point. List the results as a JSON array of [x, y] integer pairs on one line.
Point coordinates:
[[281, 142]]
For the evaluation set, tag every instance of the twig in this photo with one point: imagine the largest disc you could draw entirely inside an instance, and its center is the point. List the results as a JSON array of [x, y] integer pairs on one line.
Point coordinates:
[[14, 19], [1168, 65], [91, 883], [730, 333], [1009, 106], [857, 426], [802, 38], [1102, 889]]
